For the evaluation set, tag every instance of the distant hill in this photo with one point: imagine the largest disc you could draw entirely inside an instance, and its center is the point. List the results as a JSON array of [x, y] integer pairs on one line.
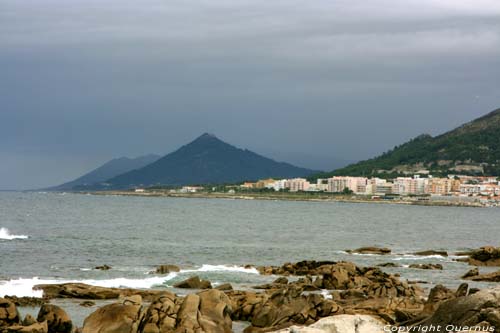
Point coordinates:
[[473, 148], [207, 160], [108, 170]]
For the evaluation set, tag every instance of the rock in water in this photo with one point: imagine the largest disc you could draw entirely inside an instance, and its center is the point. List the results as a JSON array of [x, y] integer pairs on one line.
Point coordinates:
[[427, 266], [165, 269], [485, 256], [58, 320], [194, 282], [115, 318], [371, 250], [431, 253]]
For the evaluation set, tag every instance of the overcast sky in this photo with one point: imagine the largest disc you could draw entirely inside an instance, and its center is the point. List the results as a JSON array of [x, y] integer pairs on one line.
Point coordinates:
[[316, 83]]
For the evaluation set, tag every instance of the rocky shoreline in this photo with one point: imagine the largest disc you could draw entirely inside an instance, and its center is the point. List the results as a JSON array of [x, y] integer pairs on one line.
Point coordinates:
[[327, 296]]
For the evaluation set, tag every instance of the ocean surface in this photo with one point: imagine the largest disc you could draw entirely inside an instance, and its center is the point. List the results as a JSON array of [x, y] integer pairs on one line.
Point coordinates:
[[61, 237]]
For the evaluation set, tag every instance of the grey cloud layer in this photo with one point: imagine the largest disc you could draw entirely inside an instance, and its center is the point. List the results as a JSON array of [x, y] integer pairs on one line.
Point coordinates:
[[86, 80]]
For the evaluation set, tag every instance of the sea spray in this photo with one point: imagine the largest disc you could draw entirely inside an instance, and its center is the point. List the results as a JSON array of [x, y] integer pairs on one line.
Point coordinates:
[[5, 234]]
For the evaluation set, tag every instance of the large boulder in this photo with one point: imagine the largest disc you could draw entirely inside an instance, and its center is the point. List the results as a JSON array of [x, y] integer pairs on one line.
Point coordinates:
[[115, 318], [58, 321], [8, 313], [340, 324], [208, 311], [479, 309], [194, 282], [485, 256]]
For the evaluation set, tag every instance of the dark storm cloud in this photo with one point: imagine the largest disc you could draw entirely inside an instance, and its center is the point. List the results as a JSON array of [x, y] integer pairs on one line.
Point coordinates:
[[317, 83]]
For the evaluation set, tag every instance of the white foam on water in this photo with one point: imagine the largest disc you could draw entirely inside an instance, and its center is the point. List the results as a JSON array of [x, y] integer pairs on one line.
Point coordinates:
[[326, 294], [5, 234], [222, 268], [414, 257], [24, 287]]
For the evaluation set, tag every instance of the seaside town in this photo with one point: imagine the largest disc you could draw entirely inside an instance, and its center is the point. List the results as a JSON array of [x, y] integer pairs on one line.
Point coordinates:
[[458, 189]]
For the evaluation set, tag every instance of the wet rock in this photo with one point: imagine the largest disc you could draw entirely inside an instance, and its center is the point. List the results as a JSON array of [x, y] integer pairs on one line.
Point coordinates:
[[431, 253], [29, 320], [488, 277], [224, 287], [388, 264], [85, 291], [115, 318], [26, 301], [8, 313], [471, 273], [165, 269], [371, 250], [194, 282], [485, 256], [58, 321], [103, 267], [87, 304], [427, 266]]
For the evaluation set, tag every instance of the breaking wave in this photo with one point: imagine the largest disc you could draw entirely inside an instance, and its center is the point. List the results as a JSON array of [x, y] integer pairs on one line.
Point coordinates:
[[24, 287], [5, 234]]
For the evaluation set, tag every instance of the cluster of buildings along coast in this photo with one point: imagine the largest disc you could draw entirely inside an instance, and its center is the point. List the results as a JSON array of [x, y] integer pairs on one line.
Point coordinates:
[[453, 185]]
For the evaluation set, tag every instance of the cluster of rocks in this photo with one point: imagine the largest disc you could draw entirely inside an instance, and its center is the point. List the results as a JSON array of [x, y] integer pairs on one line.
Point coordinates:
[[319, 289], [485, 256], [474, 275], [50, 319]]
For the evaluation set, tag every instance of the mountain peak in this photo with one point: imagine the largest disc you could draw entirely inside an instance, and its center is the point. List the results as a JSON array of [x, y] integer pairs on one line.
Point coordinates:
[[207, 136]]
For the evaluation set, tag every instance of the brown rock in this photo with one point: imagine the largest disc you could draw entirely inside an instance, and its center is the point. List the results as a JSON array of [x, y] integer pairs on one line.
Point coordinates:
[[194, 282], [29, 320], [8, 313], [371, 250], [87, 304], [471, 273], [431, 253], [427, 266], [481, 308], [115, 318], [388, 264], [165, 269], [85, 291], [224, 287], [488, 277], [103, 267], [485, 256], [33, 328], [57, 319]]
